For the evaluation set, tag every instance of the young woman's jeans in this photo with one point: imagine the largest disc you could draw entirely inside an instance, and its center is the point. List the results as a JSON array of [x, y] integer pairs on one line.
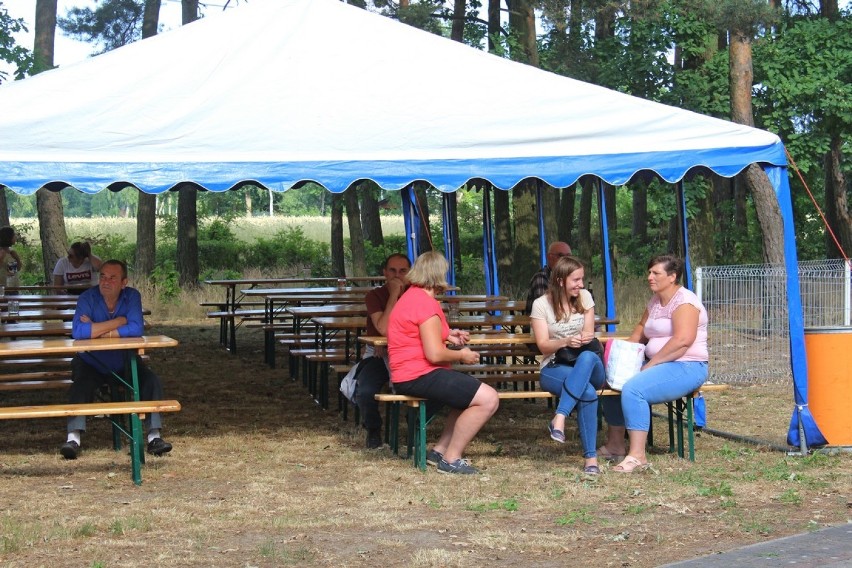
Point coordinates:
[[576, 386], [661, 383]]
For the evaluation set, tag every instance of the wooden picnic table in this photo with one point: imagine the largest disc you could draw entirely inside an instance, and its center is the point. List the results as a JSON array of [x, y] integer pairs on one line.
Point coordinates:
[[456, 298], [44, 315], [46, 288], [45, 305], [39, 298], [277, 299], [232, 301], [133, 346], [38, 315], [328, 326], [35, 329]]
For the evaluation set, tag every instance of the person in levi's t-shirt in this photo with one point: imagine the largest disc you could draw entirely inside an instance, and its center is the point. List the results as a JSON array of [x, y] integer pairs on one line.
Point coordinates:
[[76, 272], [420, 363], [674, 331]]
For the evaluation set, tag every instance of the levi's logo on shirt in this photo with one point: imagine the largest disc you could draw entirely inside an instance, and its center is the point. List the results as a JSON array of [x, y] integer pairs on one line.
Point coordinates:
[[78, 276]]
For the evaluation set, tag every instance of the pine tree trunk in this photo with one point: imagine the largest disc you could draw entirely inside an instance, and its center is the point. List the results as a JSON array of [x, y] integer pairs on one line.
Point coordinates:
[[150, 18], [338, 257], [51, 217], [522, 26], [187, 243], [425, 222], [765, 201], [836, 203], [371, 220], [702, 230], [550, 205], [584, 224], [639, 224], [146, 245], [525, 260], [611, 218], [146, 213], [4, 209], [503, 237], [356, 235], [51, 229], [566, 214], [187, 236], [457, 30], [45, 33]]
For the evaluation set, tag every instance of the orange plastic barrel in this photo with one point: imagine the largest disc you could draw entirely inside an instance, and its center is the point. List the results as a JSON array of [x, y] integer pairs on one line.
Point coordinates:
[[829, 352]]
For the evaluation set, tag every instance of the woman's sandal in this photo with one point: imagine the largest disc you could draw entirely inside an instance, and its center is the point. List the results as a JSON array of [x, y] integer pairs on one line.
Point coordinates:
[[556, 435], [591, 470], [631, 465], [604, 453]]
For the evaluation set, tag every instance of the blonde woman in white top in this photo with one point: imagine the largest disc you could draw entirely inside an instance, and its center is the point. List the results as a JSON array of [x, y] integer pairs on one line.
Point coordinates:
[[565, 317]]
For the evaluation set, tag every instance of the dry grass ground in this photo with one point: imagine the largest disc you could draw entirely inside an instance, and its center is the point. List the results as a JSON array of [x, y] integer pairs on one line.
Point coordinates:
[[261, 476]]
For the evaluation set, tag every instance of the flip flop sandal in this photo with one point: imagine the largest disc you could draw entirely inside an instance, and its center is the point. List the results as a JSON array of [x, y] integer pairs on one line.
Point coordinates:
[[631, 465], [591, 470], [604, 453], [556, 435]]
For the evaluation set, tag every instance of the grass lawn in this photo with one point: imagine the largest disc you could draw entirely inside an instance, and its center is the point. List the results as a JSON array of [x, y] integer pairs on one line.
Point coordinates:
[[262, 476]]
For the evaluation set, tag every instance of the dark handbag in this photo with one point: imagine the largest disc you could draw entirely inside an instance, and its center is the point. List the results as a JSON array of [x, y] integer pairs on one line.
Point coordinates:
[[568, 355]]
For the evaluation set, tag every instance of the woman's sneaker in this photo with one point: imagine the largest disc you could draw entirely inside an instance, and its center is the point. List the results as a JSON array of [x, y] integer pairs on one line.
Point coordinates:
[[458, 466], [433, 457]]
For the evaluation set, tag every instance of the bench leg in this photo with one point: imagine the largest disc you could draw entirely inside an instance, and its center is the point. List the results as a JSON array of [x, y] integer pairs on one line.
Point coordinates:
[[690, 427], [392, 427], [137, 452], [421, 437]]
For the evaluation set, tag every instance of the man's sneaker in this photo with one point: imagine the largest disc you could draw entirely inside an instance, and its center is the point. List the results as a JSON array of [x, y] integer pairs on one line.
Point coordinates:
[[459, 466], [158, 447], [433, 457], [374, 439], [69, 450]]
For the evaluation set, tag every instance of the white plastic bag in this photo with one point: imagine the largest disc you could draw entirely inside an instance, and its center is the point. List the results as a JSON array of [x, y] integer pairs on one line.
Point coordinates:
[[625, 360], [349, 384]]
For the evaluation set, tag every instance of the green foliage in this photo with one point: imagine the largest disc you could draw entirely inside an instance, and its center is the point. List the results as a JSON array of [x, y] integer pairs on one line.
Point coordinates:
[[10, 51], [376, 255], [112, 24], [579, 516], [165, 282], [290, 248], [721, 489], [507, 505], [804, 86], [471, 277]]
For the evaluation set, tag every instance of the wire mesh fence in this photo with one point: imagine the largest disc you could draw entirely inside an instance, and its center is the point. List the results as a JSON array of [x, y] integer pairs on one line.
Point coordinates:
[[747, 307]]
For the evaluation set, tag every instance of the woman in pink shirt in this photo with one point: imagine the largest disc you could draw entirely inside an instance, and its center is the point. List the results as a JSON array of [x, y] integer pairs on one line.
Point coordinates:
[[674, 331], [420, 363]]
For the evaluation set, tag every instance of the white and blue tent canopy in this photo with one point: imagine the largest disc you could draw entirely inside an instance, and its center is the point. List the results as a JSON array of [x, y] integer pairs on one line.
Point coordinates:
[[283, 91], [280, 91]]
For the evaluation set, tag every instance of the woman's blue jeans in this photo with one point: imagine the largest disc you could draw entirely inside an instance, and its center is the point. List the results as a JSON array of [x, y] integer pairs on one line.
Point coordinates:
[[661, 383], [576, 386]]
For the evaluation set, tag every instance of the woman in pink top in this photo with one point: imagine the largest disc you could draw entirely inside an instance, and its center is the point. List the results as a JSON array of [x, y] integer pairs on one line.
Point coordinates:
[[674, 331], [420, 363]]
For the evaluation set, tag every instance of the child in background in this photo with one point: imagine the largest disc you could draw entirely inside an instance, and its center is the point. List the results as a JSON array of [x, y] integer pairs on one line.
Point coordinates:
[[10, 261]]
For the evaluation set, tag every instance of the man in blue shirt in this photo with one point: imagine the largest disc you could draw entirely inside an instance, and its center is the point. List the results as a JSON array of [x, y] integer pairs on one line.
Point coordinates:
[[112, 309]]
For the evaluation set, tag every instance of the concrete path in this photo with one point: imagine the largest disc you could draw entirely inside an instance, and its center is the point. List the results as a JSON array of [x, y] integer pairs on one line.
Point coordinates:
[[825, 548]]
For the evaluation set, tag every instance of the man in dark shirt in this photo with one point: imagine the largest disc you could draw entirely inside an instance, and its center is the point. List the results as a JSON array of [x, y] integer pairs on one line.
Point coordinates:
[[372, 374], [540, 280], [111, 309]]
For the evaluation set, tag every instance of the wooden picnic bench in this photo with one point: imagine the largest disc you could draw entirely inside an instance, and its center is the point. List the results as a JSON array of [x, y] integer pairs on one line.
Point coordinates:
[[135, 409], [135, 347], [418, 422]]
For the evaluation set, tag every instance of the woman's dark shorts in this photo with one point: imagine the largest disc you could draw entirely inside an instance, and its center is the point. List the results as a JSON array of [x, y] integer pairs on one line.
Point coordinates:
[[453, 388]]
